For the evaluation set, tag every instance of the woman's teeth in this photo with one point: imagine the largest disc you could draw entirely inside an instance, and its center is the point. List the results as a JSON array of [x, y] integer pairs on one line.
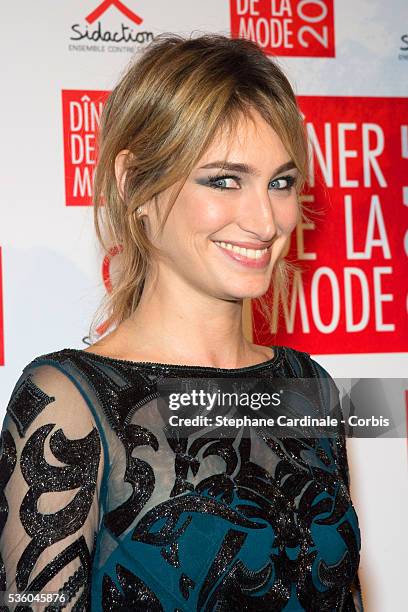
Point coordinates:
[[251, 253]]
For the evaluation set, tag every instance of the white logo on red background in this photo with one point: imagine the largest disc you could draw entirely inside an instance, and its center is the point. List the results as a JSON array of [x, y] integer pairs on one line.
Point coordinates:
[[81, 111], [286, 27], [351, 295]]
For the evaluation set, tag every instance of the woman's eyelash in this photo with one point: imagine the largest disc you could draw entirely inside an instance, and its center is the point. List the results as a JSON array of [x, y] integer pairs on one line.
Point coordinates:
[[291, 181], [212, 180]]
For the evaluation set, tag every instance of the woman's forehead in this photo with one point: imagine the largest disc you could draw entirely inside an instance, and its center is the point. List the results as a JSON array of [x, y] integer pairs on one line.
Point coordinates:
[[245, 142]]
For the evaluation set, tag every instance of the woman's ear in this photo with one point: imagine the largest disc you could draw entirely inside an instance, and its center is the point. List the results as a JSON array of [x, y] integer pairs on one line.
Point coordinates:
[[120, 171]]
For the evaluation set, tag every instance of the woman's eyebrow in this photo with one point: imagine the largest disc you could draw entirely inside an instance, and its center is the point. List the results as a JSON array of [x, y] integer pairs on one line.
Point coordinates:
[[246, 168]]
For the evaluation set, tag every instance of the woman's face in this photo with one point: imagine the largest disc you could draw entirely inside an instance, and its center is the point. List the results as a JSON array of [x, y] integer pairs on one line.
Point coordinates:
[[252, 204]]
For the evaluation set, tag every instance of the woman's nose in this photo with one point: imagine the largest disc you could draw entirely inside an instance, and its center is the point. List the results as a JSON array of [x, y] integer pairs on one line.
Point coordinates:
[[258, 216]]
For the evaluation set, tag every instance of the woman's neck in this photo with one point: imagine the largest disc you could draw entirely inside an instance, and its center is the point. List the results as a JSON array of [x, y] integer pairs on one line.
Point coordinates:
[[194, 333]]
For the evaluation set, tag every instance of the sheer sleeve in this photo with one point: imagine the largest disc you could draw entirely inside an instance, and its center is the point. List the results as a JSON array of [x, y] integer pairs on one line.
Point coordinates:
[[51, 467], [340, 450], [331, 395]]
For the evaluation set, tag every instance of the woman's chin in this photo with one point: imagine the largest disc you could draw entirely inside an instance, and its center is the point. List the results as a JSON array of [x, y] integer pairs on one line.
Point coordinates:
[[247, 292]]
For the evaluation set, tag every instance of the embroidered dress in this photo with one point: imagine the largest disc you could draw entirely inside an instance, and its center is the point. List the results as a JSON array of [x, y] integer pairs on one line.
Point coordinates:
[[100, 503]]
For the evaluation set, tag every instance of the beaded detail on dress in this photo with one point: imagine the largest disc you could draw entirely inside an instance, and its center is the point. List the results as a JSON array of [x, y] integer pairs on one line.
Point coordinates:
[[99, 502]]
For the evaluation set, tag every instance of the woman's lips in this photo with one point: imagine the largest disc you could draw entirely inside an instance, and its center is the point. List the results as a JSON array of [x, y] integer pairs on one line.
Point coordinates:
[[262, 262]]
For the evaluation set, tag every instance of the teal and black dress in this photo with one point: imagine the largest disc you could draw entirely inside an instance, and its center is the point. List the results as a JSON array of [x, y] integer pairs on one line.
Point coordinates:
[[100, 504]]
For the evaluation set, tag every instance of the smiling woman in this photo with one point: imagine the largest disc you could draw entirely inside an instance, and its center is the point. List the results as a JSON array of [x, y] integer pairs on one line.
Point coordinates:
[[202, 158], [175, 115]]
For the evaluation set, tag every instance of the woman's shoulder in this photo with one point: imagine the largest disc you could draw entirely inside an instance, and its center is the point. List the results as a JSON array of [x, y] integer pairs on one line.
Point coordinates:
[[58, 356], [45, 380], [47, 388], [108, 388], [305, 365], [73, 360]]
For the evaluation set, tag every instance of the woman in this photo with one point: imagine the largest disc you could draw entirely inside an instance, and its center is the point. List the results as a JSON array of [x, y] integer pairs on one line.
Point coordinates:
[[202, 159]]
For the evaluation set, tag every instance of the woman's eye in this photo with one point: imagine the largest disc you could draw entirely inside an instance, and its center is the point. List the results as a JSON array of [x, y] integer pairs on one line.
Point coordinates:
[[223, 182], [284, 183]]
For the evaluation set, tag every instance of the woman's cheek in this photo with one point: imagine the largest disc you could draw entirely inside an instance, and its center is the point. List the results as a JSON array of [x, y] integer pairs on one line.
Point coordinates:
[[212, 211], [288, 215]]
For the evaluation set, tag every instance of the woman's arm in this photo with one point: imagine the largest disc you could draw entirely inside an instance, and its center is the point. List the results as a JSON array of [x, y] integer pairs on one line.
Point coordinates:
[[340, 450], [331, 398], [51, 467]]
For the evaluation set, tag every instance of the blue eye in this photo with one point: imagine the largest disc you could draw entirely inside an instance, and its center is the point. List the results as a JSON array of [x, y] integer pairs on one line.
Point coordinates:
[[218, 182], [285, 183], [288, 181]]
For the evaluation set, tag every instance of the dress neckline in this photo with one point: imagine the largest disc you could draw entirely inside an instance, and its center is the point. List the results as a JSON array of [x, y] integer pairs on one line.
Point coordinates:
[[278, 353]]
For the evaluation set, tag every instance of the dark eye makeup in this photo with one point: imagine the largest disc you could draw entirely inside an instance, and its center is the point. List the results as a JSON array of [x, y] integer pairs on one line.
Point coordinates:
[[213, 181]]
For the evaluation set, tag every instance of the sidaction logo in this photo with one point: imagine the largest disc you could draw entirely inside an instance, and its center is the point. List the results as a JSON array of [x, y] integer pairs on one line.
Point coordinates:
[[94, 32]]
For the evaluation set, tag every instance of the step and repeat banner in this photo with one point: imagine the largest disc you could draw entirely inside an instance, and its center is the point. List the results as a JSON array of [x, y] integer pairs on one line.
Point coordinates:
[[348, 63]]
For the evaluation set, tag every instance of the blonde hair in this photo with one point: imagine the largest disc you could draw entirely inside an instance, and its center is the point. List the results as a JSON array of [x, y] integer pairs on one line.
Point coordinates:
[[166, 110]]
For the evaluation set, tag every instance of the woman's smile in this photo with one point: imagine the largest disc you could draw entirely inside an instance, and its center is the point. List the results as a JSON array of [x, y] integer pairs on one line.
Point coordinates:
[[252, 258]]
